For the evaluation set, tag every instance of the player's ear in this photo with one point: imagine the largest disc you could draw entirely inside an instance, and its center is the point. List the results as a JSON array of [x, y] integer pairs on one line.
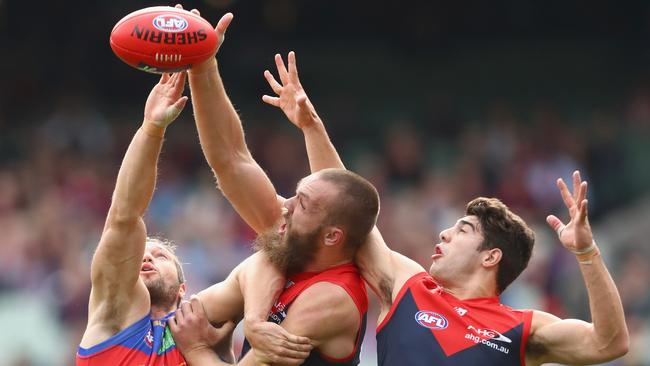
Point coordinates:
[[492, 257], [333, 235], [182, 289]]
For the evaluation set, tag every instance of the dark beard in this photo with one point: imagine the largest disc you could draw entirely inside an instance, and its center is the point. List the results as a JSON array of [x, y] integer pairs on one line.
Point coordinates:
[[291, 253], [160, 294]]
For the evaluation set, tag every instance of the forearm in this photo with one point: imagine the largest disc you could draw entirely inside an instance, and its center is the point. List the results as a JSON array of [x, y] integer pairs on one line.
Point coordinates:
[[321, 152], [605, 304], [220, 131], [136, 179]]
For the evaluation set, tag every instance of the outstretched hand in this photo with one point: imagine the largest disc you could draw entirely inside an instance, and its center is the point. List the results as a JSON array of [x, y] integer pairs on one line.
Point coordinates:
[[221, 28], [166, 100], [576, 235], [291, 98], [272, 344]]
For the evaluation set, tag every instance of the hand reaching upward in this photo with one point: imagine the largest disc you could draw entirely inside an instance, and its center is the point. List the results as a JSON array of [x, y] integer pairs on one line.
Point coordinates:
[[221, 28], [166, 100], [291, 98], [576, 235]]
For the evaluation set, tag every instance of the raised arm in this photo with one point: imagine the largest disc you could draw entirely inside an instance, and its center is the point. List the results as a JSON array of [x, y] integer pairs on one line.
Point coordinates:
[[384, 269], [295, 104], [243, 183], [117, 295], [573, 341], [239, 176]]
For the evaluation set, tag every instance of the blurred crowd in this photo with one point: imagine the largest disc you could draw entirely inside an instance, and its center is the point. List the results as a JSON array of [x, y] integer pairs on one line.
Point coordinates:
[[56, 184]]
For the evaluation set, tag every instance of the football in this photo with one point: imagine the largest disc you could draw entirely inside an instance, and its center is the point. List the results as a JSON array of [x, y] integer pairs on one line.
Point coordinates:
[[163, 39]]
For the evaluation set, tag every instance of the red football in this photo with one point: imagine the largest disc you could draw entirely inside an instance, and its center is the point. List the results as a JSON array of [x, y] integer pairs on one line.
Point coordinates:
[[163, 39]]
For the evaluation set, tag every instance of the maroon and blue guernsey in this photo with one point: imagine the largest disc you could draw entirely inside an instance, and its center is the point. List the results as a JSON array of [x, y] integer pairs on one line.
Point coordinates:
[[347, 276], [147, 342], [428, 326]]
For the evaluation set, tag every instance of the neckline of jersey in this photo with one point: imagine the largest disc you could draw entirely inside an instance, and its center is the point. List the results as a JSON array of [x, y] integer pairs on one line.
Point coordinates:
[[307, 275]]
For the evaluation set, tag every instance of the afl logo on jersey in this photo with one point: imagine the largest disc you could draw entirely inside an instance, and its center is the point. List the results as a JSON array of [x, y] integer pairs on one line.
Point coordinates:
[[431, 320]]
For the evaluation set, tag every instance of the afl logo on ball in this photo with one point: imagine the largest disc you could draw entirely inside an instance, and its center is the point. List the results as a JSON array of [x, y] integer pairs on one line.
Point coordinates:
[[431, 320], [170, 23]]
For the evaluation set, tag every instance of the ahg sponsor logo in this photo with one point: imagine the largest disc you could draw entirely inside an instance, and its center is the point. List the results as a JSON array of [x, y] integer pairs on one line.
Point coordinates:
[[431, 320], [486, 337], [490, 334]]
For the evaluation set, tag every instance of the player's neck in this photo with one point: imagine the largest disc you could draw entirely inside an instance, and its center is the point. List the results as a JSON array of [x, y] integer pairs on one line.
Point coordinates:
[[472, 289], [160, 311], [325, 260]]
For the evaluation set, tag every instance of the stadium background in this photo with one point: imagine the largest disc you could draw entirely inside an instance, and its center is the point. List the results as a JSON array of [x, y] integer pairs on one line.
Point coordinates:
[[435, 102]]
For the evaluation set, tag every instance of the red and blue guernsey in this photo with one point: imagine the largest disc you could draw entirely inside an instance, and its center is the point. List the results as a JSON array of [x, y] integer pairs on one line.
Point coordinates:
[[147, 342], [347, 276], [428, 326]]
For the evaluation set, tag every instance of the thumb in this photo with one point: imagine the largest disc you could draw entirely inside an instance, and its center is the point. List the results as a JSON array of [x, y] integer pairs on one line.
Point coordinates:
[[173, 326], [227, 328], [197, 306], [554, 222], [180, 103], [223, 24], [294, 338], [172, 112]]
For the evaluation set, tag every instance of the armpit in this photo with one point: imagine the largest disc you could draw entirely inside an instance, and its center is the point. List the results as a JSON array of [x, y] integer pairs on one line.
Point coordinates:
[[535, 349]]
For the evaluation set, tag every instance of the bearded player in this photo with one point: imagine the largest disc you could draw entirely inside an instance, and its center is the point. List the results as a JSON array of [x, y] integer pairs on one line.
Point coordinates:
[[452, 314], [137, 282], [312, 236]]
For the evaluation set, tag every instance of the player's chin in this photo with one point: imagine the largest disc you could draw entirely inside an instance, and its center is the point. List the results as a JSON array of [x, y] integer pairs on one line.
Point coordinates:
[[433, 268], [147, 275]]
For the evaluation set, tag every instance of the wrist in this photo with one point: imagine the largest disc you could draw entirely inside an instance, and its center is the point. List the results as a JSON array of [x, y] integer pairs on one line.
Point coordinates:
[[204, 67], [315, 125], [250, 321], [152, 129], [586, 255], [198, 355]]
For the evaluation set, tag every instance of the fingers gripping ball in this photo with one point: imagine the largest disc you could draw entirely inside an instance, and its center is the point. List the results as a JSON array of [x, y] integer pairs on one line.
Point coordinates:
[[163, 39]]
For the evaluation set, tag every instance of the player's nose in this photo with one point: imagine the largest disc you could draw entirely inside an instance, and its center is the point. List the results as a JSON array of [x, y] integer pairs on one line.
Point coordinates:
[[147, 257], [290, 204], [444, 236]]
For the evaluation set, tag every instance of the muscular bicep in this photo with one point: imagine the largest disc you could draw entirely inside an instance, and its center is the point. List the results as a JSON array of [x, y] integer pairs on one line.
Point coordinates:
[[567, 341], [327, 315], [384, 270], [250, 192], [115, 266]]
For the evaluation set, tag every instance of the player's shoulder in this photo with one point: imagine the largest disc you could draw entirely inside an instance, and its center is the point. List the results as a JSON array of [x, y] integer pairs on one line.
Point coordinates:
[[325, 301], [541, 319], [323, 310], [324, 293]]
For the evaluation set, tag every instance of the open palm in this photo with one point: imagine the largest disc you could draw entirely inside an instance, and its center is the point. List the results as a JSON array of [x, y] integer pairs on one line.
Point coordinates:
[[166, 100], [576, 235], [291, 98]]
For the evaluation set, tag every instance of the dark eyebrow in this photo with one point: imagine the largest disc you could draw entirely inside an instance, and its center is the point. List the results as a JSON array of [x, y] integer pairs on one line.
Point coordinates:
[[465, 222]]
